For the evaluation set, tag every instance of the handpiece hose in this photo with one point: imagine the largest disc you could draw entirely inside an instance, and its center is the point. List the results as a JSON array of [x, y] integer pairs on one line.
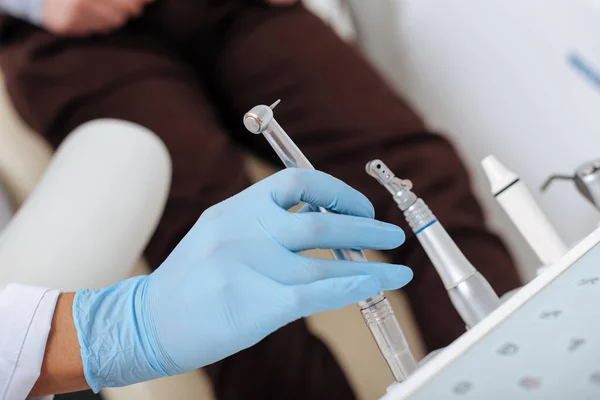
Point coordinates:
[[377, 310]]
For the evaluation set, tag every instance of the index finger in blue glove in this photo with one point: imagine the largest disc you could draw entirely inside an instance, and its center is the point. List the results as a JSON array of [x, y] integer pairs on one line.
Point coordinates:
[[301, 270], [293, 185], [306, 231]]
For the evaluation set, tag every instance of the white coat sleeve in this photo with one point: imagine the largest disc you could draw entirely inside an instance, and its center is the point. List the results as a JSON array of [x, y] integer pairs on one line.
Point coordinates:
[[25, 318]]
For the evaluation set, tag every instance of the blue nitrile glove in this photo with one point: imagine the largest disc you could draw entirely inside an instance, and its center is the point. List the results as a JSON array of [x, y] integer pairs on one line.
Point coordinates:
[[234, 279]]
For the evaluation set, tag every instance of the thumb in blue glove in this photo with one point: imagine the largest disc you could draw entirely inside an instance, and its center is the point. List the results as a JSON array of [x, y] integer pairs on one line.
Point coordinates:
[[235, 278]]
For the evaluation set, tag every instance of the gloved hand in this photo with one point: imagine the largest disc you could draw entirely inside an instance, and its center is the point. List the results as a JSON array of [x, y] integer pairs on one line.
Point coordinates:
[[235, 278]]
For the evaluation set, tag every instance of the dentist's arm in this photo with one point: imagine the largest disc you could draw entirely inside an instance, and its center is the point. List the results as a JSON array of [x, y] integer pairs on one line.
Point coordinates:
[[62, 369], [235, 278]]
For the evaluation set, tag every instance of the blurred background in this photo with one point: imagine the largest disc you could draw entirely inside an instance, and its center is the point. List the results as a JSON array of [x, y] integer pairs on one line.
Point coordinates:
[[518, 79], [497, 77]]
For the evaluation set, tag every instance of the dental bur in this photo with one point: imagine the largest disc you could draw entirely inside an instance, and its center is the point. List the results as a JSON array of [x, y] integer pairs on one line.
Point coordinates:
[[470, 293], [377, 310]]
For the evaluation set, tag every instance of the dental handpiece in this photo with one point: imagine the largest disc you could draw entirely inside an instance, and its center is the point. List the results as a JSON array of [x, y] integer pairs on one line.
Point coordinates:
[[470, 293], [586, 179], [377, 310]]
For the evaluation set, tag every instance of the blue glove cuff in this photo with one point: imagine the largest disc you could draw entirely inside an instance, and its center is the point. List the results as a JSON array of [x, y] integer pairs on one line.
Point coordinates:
[[116, 345]]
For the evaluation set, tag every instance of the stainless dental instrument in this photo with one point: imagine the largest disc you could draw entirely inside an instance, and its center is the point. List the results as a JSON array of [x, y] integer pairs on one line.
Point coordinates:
[[586, 179], [377, 310], [470, 293]]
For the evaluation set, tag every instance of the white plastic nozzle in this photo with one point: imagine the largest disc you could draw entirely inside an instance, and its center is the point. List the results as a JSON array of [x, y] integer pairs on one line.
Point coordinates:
[[498, 175], [522, 209]]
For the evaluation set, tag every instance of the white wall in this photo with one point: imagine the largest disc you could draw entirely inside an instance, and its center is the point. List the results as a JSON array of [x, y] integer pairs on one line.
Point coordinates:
[[495, 76], [336, 13], [6, 207]]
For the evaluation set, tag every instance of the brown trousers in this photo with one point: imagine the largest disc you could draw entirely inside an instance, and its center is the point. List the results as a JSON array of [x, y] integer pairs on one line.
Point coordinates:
[[188, 70]]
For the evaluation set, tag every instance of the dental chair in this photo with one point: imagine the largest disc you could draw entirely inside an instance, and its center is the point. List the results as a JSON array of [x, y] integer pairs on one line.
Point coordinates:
[[85, 215]]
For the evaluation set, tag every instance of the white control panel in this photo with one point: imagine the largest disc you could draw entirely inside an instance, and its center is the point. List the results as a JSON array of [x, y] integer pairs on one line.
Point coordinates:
[[543, 345]]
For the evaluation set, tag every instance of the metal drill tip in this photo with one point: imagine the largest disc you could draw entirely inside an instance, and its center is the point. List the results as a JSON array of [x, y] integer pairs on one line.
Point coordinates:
[[272, 106]]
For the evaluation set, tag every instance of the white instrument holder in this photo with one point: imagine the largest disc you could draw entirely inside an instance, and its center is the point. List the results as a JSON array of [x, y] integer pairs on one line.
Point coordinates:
[[543, 342]]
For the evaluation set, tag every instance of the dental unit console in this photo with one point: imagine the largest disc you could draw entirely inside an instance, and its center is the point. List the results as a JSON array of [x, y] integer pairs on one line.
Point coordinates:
[[543, 342]]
